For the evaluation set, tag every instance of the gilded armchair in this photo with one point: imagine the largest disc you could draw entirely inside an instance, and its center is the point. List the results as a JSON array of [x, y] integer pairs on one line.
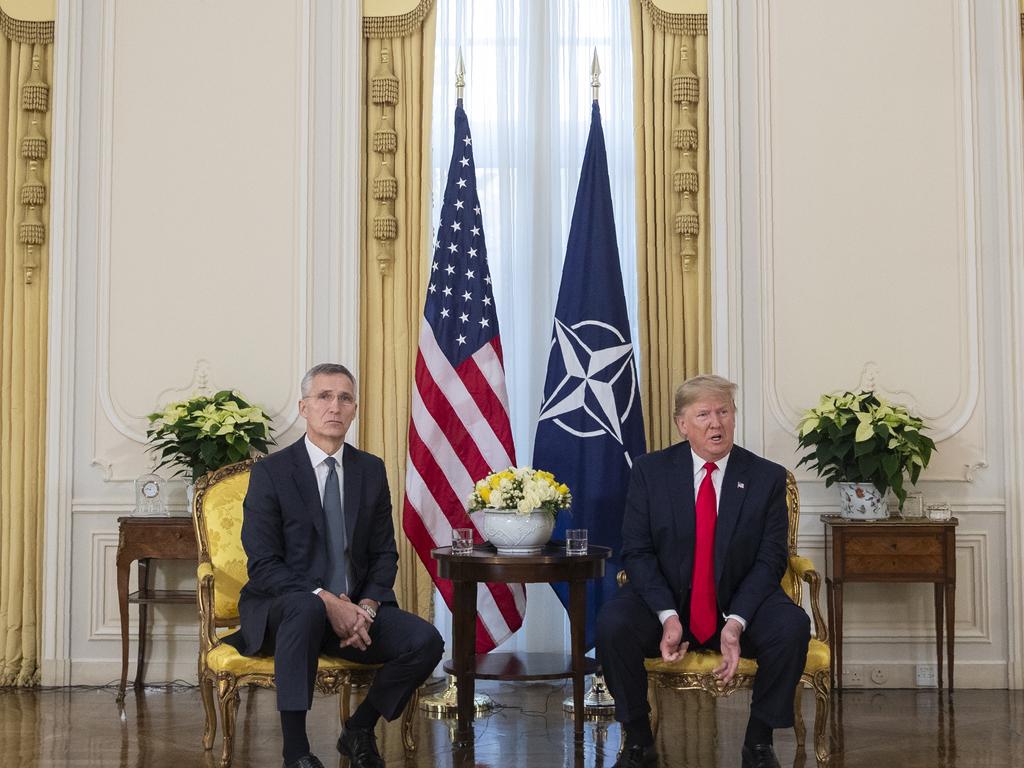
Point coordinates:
[[696, 669], [217, 514]]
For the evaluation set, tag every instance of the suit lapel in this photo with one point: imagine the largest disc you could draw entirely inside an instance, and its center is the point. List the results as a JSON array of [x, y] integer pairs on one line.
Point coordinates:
[[685, 518], [734, 489], [353, 490], [305, 481]]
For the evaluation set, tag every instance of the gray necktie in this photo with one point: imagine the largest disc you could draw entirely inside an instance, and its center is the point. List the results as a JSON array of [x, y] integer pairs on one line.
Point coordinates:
[[337, 562]]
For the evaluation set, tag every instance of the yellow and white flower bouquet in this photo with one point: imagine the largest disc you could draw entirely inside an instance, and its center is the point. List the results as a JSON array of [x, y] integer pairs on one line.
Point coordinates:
[[522, 490]]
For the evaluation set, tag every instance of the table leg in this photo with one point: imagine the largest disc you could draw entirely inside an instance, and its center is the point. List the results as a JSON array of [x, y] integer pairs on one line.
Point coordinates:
[[939, 588], [837, 630], [123, 569], [950, 635], [464, 656], [143, 618], [577, 631]]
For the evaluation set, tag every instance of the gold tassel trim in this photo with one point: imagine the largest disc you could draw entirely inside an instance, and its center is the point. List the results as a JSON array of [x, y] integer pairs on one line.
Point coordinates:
[[19, 31], [693, 24], [385, 227], [30, 233], [383, 27], [33, 194], [687, 224], [685, 89], [385, 141], [684, 181], [685, 138], [34, 148], [35, 97]]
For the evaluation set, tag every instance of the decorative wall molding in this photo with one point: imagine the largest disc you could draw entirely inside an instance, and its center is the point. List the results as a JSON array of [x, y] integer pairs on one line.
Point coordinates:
[[1012, 283], [60, 398], [132, 425], [957, 415]]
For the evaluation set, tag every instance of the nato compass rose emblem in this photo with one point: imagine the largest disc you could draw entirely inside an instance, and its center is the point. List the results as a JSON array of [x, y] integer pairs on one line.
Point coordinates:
[[598, 391]]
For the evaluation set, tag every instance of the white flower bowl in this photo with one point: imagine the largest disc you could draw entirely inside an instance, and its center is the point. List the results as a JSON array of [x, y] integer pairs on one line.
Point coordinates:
[[515, 534]]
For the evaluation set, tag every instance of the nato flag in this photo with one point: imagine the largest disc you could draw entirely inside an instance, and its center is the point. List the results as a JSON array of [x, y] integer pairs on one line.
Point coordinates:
[[590, 427]]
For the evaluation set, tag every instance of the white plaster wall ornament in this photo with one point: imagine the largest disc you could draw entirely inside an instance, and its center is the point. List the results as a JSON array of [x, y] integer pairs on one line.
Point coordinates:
[[970, 469]]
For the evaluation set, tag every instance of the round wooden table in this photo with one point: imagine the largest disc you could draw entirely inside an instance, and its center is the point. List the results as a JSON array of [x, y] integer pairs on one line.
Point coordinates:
[[484, 564]]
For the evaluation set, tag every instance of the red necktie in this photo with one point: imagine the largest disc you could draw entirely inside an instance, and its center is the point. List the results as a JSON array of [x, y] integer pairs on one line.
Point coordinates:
[[703, 603]]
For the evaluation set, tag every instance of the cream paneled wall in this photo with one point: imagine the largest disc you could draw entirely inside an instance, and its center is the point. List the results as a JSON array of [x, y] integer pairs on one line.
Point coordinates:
[[205, 236], [869, 143]]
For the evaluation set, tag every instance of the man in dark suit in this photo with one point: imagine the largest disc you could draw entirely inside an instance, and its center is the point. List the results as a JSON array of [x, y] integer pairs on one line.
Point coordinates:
[[322, 562], [704, 546]]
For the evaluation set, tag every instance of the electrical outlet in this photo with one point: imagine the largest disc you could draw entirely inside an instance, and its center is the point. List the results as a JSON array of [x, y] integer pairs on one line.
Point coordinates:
[[853, 677], [927, 676], [878, 676]]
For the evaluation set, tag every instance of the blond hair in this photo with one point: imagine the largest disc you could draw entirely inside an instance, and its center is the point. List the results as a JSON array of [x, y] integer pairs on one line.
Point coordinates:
[[692, 390]]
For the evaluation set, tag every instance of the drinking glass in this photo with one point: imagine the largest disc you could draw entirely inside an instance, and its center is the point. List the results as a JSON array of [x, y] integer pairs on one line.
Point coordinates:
[[576, 541], [462, 541]]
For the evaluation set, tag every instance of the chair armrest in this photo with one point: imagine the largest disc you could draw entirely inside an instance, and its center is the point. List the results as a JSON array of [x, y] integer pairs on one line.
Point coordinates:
[[804, 568], [204, 600]]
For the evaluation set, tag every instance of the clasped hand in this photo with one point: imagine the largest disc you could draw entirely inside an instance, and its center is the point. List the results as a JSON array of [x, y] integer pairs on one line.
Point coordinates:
[[673, 648], [348, 620]]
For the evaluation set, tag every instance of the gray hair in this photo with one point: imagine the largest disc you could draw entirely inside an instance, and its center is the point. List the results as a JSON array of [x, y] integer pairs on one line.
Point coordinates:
[[324, 369], [692, 390]]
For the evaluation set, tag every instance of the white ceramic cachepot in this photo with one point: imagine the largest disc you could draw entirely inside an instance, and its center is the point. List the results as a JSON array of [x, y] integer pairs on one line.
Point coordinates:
[[515, 534], [862, 501]]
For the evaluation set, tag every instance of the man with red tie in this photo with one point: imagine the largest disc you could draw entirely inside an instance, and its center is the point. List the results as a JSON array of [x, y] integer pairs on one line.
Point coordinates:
[[704, 546]]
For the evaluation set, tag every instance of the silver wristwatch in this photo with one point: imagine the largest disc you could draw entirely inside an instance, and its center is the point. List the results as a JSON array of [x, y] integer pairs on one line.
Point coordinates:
[[369, 609]]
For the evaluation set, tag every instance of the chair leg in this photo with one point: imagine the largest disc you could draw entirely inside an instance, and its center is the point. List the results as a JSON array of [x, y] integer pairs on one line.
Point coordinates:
[[227, 693], [408, 737], [345, 704], [206, 692], [798, 717], [652, 699], [823, 706]]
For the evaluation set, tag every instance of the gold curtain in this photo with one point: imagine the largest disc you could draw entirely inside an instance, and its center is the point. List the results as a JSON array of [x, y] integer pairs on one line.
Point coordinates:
[[670, 94], [27, 63], [398, 57]]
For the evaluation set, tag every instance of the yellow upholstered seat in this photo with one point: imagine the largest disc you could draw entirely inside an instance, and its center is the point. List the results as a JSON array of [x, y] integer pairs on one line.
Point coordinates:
[[695, 671], [217, 513]]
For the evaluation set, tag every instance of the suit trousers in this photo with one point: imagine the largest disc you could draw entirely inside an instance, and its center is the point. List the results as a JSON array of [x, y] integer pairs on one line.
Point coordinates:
[[628, 631], [298, 631]]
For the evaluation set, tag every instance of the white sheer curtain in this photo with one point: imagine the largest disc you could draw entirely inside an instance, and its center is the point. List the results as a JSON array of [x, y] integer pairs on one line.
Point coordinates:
[[528, 99]]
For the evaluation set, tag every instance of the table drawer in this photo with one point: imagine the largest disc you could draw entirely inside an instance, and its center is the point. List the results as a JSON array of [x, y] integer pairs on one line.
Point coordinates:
[[873, 555]]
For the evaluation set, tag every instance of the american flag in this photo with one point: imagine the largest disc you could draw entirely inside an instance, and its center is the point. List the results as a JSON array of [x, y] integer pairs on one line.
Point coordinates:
[[459, 430]]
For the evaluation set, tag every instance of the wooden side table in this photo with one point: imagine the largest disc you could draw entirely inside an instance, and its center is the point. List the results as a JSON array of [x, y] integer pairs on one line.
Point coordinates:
[[484, 564], [892, 550], [143, 539]]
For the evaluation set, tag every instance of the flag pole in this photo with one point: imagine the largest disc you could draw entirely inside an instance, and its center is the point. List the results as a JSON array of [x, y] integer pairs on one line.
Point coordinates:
[[445, 703], [598, 702]]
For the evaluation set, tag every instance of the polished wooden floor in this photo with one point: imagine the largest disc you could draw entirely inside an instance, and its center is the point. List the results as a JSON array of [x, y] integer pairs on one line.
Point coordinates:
[[162, 727]]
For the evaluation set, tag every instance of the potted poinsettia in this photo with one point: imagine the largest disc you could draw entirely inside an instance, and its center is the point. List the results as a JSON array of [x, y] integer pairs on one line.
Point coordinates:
[[207, 432], [866, 445]]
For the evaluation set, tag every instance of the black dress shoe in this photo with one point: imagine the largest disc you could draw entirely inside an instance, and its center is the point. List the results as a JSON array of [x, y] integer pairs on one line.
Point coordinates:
[[636, 756], [760, 756], [359, 745], [306, 761]]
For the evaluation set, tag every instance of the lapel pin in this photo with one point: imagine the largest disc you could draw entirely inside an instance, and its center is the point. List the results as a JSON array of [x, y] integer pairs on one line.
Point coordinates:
[[740, 485]]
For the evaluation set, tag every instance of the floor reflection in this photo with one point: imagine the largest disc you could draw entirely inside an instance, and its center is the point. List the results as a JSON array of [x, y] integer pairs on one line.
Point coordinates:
[[161, 727]]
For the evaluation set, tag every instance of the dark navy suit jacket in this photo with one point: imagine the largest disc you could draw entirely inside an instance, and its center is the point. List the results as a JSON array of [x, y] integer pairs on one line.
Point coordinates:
[[658, 531], [286, 544]]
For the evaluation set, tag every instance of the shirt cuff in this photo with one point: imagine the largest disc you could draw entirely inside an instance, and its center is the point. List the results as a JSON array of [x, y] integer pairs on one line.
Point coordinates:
[[740, 619], [664, 616], [318, 590]]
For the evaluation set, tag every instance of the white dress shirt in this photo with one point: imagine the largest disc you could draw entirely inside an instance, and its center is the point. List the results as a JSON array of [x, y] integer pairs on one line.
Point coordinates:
[[318, 458], [716, 482]]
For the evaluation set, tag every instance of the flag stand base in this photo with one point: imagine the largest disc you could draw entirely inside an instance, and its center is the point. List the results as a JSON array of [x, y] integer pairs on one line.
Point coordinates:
[[597, 702], [445, 703]]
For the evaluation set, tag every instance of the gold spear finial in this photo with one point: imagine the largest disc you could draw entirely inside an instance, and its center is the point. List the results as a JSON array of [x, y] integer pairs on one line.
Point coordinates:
[[595, 75], [460, 76]]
